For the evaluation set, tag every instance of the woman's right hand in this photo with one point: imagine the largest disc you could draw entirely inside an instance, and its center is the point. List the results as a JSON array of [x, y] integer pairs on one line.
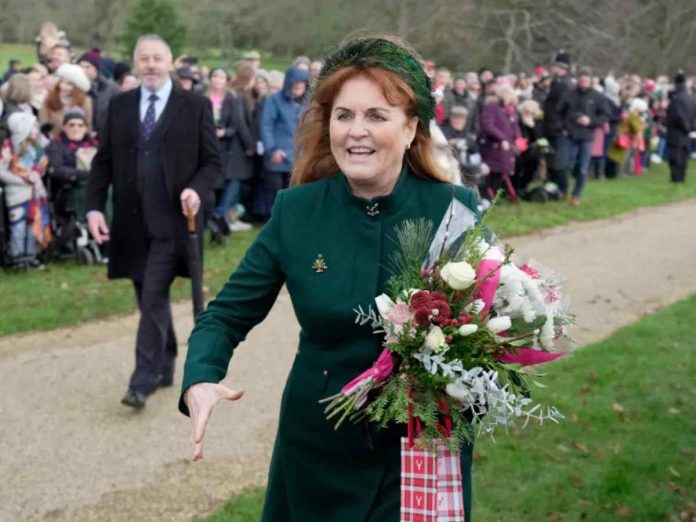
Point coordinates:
[[200, 399], [505, 145]]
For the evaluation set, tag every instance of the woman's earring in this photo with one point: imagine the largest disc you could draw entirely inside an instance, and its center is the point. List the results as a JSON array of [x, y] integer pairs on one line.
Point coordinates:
[[408, 146]]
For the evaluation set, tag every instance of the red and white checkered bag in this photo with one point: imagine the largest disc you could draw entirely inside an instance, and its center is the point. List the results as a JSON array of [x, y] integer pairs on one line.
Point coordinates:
[[431, 483]]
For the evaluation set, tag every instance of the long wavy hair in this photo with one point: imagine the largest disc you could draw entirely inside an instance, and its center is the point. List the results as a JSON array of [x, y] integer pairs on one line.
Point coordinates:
[[314, 160], [54, 103]]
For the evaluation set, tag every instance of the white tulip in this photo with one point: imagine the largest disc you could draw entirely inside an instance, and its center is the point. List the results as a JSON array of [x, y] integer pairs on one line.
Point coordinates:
[[435, 338], [458, 276], [384, 304], [467, 329], [499, 324]]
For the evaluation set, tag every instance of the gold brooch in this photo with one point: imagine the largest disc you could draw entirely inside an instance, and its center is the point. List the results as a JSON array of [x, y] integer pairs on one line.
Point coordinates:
[[319, 264]]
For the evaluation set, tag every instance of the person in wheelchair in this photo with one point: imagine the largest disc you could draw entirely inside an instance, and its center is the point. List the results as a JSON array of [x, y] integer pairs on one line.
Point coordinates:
[[70, 156]]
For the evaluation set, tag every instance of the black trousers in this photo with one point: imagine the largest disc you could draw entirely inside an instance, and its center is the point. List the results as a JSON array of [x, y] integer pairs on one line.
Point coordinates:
[[156, 347], [678, 162]]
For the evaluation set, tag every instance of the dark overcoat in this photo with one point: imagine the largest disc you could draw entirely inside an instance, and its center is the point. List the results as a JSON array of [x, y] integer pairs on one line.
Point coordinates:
[[190, 156], [317, 473], [237, 140]]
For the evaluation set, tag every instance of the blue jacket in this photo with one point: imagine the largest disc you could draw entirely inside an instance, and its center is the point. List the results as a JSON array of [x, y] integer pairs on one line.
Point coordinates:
[[279, 120]]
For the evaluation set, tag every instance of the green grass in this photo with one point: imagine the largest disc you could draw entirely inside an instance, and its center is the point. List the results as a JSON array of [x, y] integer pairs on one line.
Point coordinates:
[[65, 293], [25, 53], [600, 200], [70, 294], [626, 450]]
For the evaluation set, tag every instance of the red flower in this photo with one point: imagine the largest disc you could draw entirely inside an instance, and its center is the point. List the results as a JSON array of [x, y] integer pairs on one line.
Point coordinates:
[[422, 317], [441, 312], [530, 271], [464, 319], [438, 296], [420, 299]]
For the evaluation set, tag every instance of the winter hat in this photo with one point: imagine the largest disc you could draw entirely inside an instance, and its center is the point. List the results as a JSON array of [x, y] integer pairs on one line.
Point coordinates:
[[74, 114], [584, 71], [21, 124], [459, 110], [92, 56], [562, 59], [185, 73], [75, 75], [680, 77], [276, 79], [391, 56], [121, 69], [263, 73]]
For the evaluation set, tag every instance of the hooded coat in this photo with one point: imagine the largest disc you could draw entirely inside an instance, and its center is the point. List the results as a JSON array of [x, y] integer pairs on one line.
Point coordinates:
[[497, 126], [279, 121]]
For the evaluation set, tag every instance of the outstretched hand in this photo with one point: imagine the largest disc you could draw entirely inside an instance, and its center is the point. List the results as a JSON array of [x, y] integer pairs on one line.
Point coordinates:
[[200, 399]]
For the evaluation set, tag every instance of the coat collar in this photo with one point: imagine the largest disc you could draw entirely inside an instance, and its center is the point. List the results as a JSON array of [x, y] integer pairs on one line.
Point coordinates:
[[382, 205]]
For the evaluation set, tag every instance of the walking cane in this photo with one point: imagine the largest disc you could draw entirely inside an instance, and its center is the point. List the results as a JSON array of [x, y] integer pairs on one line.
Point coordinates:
[[195, 267]]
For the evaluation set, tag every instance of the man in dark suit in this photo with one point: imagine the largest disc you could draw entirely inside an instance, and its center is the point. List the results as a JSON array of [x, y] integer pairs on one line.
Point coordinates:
[[681, 113], [159, 152]]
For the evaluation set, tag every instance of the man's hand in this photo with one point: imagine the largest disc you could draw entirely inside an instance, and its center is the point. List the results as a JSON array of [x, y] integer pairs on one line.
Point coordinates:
[[96, 223], [190, 202], [277, 157], [584, 120], [220, 132]]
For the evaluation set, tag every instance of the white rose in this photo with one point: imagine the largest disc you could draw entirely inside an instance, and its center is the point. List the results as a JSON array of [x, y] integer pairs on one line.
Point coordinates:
[[467, 329], [475, 307], [384, 304], [435, 338], [458, 276], [499, 324]]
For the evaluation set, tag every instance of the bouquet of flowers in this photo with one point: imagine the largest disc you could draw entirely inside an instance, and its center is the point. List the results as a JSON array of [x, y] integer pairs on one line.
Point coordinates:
[[462, 319]]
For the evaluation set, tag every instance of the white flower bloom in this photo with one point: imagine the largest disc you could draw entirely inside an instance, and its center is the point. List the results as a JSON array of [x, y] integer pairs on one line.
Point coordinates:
[[499, 324], [467, 329], [384, 304], [458, 276], [435, 338], [475, 307]]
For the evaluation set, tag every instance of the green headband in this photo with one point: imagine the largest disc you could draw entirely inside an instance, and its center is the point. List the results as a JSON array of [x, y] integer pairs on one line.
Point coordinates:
[[392, 57]]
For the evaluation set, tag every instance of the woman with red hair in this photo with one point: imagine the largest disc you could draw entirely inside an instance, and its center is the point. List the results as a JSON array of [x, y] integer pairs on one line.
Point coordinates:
[[364, 164]]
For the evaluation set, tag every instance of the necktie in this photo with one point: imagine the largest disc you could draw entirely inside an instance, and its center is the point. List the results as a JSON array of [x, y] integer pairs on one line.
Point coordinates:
[[148, 124]]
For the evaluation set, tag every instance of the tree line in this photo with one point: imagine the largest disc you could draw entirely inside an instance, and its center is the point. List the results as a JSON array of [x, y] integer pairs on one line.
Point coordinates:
[[644, 36]]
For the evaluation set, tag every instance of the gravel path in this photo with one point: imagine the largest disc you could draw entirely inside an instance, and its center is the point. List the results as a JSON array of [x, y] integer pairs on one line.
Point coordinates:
[[70, 451]]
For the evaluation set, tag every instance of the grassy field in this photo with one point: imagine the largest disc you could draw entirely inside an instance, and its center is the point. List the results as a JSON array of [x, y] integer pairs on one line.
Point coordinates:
[[70, 294], [626, 450]]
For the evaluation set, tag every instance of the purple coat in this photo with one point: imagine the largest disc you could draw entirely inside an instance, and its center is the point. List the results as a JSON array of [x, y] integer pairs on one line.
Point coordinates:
[[497, 125]]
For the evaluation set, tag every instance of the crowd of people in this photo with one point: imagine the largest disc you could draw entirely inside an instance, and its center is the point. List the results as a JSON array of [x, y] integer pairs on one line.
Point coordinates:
[[528, 134]]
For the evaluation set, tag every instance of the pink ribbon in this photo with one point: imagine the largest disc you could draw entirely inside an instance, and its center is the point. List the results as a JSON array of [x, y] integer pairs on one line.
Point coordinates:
[[528, 357], [381, 369], [488, 269]]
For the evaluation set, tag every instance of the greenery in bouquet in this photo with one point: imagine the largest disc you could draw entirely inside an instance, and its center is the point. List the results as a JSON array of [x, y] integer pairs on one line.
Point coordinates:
[[461, 320]]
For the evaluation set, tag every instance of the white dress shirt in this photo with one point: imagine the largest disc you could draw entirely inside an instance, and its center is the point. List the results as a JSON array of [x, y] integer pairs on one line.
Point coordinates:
[[163, 95]]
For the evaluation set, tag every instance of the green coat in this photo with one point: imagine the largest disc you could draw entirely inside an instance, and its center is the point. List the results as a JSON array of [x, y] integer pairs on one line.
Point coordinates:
[[318, 474]]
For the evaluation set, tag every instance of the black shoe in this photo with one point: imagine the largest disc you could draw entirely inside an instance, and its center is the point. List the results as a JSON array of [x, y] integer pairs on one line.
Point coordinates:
[[134, 399], [165, 382]]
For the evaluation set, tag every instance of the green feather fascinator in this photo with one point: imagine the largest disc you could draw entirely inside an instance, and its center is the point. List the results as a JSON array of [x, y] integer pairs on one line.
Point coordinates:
[[389, 55]]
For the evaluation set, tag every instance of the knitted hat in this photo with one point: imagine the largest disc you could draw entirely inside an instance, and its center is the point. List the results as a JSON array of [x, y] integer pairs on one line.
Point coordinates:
[[680, 77], [75, 75], [21, 124], [390, 56], [74, 114], [121, 69], [638, 105], [92, 56], [459, 110], [185, 73], [562, 59], [584, 71]]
